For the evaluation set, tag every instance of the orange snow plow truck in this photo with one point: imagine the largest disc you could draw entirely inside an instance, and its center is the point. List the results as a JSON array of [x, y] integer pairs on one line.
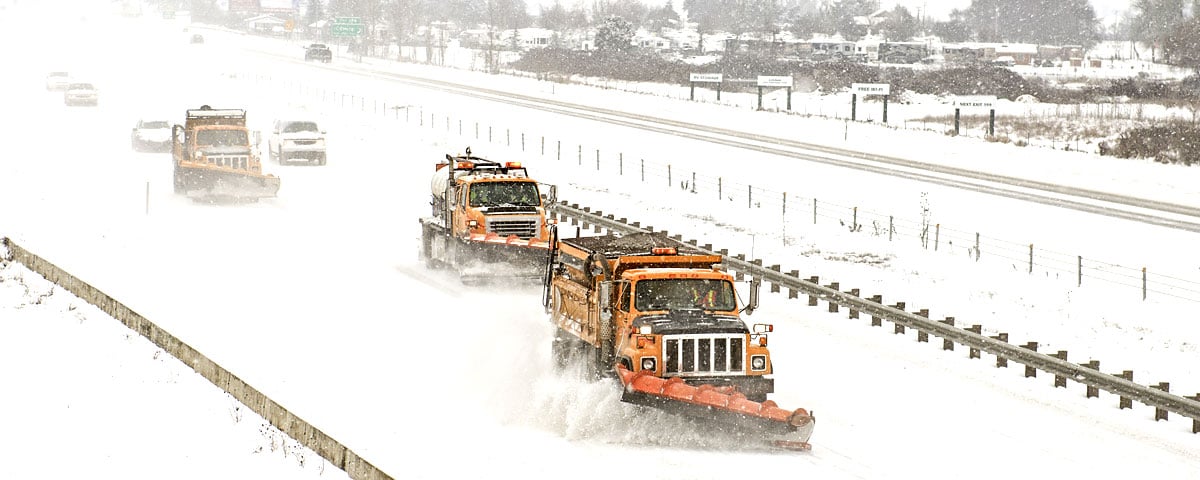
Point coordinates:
[[488, 221], [665, 319], [215, 160]]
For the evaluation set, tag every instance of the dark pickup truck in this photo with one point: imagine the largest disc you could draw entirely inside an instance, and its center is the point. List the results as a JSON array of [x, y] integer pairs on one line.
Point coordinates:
[[318, 52]]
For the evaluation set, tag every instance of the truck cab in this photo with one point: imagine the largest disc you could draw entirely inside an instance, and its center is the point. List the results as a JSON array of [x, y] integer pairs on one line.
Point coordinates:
[[653, 307]]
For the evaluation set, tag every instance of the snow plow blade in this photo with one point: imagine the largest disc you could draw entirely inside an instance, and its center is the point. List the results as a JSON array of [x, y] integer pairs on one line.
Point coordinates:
[[215, 185], [505, 258], [788, 429]]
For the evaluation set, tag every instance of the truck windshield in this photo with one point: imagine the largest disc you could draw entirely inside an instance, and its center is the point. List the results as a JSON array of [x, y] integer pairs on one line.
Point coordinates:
[[222, 138], [681, 293], [488, 194]]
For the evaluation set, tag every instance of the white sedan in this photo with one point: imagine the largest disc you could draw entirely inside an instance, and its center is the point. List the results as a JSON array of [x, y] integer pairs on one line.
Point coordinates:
[[81, 94], [57, 81], [151, 135]]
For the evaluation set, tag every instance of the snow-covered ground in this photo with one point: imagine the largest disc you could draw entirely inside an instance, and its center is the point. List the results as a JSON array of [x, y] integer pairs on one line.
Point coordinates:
[[316, 297]]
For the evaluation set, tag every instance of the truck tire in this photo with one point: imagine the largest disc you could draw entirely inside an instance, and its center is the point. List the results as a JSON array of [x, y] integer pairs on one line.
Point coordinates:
[[562, 349]]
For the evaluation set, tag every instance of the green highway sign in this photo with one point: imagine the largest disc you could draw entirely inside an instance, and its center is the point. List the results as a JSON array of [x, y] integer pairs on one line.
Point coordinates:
[[345, 29], [347, 20]]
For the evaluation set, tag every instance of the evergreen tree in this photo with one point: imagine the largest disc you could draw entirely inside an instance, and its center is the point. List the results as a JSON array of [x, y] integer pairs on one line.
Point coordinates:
[[615, 35]]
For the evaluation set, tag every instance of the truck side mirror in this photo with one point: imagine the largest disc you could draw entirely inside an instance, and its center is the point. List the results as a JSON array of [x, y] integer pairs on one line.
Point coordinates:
[[755, 285], [605, 301]]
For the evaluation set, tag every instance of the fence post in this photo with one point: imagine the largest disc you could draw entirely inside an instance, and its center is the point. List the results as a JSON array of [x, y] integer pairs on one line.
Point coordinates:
[[1143, 283], [749, 196], [720, 195], [558, 155], [670, 182], [891, 223], [693, 181], [814, 211], [579, 156], [621, 163], [853, 312], [597, 159], [643, 170], [937, 235], [1031, 258], [976, 246]]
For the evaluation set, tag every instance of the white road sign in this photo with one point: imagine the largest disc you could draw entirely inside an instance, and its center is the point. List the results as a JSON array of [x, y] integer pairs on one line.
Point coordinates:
[[706, 77], [772, 81], [975, 101], [871, 88]]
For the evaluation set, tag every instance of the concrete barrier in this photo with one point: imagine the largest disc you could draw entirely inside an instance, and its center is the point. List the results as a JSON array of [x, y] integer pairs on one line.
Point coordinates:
[[293, 426]]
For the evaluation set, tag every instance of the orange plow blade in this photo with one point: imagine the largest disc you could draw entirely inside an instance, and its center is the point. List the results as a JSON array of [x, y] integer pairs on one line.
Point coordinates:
[[789, 429]]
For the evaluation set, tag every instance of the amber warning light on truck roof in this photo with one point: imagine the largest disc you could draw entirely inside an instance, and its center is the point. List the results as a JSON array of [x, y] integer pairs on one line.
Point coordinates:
[[663, 251], [512, 165]]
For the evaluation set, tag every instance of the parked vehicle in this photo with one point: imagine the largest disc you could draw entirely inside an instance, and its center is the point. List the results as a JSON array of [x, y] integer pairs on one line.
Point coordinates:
[[197, 38]]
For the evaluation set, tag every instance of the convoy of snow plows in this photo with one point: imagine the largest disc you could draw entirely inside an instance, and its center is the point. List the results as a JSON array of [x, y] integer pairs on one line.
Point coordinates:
[[661, 317]]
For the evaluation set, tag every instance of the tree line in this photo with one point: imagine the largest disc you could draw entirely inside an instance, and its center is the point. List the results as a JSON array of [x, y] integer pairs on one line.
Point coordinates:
[[1170, 25]]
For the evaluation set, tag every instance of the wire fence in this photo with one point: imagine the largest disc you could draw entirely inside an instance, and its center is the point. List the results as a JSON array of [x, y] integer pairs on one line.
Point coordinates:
[[770, 206]]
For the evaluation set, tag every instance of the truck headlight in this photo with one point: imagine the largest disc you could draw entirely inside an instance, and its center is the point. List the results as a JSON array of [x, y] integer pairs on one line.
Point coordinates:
[[649, 363], [758, 363]]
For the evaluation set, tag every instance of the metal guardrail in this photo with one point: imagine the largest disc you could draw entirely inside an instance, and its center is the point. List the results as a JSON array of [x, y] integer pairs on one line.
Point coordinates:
[[1159, 397]]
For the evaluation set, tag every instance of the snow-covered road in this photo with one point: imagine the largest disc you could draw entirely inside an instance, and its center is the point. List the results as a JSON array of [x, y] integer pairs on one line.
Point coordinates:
[[317, 299]]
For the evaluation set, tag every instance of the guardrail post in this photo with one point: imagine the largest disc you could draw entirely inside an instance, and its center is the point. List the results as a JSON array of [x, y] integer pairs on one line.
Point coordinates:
[[1161, 413], [948, 344], [875, 320], [739, 275], [1125, 402], [853, 312], [1093, 391], [774, 286], [1030, 371], [792, 293], [1196, 421], [923, 336], [976, 329], [812, 299], [1059, 380], [1001, 362], [833, 306], [898, 327]]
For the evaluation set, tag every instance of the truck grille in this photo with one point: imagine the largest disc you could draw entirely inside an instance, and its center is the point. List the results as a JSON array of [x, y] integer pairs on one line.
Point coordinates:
[[700, 354], [525, 227], [237, 162]]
